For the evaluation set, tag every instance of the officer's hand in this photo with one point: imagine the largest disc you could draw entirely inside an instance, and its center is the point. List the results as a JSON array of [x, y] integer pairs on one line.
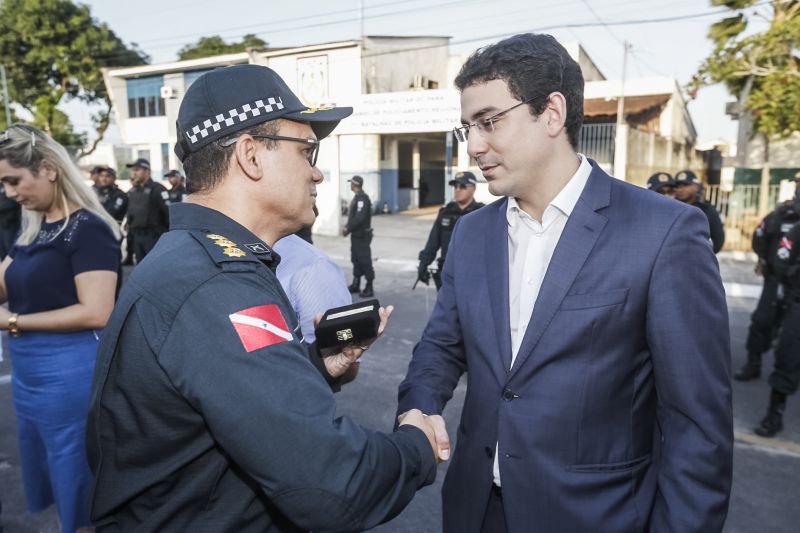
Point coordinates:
[[434, 429], [344, 362], [423, 275], [758, 269], [345, 233]]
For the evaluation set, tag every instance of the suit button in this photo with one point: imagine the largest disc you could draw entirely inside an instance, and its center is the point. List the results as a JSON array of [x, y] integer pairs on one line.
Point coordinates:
[[508, 395], [489, 452]]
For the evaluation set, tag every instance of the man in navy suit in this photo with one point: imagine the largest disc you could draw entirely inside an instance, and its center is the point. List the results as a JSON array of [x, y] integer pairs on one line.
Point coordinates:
[[598, 381]]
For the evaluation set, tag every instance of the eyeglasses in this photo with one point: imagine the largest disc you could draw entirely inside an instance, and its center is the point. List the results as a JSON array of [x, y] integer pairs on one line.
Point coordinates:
[[313, 143], [484, 125]]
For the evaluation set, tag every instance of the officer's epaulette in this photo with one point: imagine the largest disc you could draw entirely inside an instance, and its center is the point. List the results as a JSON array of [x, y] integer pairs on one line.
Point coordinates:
[[221, 249]]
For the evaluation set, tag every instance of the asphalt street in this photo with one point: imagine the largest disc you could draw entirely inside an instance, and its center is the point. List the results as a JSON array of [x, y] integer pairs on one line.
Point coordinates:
[[766, 471]]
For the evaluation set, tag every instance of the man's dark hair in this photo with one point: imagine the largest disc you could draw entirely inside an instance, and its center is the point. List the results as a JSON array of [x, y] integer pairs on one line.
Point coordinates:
[[533, 66], [206, 167]]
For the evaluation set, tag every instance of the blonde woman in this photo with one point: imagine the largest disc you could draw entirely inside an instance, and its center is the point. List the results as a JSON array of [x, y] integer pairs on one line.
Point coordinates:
[[59, 281]]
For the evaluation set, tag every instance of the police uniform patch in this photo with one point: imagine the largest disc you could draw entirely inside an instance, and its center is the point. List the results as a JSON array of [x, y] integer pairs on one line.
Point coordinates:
[[165, 195], [257, 248], [260, 326], [233, 252], [446, 222], [359, 205]]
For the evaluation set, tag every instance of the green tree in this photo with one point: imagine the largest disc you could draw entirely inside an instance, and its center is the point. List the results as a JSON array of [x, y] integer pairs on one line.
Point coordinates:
[[216, 45], [53, 51], [761, 67]]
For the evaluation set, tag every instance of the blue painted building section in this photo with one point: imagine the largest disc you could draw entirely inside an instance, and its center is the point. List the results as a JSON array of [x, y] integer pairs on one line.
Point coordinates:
[[389, 193]]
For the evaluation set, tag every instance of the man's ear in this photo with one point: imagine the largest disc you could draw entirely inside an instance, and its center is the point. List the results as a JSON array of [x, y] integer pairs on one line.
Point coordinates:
[[245, 152], [555, 113]]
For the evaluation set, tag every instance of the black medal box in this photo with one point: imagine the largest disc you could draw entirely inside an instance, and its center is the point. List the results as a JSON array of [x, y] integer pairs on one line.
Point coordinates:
[[356, 323]]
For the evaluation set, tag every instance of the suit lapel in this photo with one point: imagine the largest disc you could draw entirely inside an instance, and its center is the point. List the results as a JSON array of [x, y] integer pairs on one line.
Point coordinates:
[[497, 274], [580, 234]]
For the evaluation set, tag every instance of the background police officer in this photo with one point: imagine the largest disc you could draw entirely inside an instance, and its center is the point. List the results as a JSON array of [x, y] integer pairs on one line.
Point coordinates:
[[687, 189], [177, 190], [112, 198], [359, 227], [208, 413], [786, 374], [439, 238], [662, 183], [10, 220], [148, 209], [766, 319]]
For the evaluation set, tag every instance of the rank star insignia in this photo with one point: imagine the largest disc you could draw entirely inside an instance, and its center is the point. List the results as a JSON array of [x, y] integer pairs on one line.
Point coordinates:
[[233, 252], [215, 237], [225, 243]]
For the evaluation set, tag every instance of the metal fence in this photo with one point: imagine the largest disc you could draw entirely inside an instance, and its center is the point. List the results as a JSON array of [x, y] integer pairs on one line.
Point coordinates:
[[738, 209], [596, 142]]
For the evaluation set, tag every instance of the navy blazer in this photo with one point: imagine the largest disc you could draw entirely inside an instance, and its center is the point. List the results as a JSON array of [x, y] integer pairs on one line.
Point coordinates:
[[616, 415]]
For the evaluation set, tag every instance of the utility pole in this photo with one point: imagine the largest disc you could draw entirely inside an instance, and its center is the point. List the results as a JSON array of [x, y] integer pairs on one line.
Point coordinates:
[[5, 95], [361, 18], [620, 140]]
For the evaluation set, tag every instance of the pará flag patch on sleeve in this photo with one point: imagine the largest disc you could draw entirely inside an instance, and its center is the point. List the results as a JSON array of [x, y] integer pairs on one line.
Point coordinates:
[[260, 326]]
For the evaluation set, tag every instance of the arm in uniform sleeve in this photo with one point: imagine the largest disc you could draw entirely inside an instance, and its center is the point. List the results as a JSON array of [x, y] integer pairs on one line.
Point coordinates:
[[715, 228], [692, 379], [428, 254], [787, 259], [761, 238], [273, 414], [160, 196], [439, 358], [119, 204]]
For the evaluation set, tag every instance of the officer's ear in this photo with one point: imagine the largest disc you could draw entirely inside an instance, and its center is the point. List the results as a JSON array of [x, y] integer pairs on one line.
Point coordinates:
[[245, 153]]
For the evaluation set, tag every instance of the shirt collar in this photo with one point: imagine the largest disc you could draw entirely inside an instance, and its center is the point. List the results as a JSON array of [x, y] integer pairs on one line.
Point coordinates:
[[565, 200], [187, 216]]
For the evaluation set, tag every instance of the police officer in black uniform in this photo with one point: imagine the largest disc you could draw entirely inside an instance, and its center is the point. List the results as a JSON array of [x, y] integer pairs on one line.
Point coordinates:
[[767, 317], [94, 175], [687, 188], [439, 238], [786, 374], [359, 227], [10, 221], [112, 198], [177, 191], [148, 209], [662, 183], [207, 412]]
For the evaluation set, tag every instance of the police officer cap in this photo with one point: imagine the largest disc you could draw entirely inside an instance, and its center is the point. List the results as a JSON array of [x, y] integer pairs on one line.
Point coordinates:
[[110, 171], [358, 180], [686, 177], [172, 173], [97, 169], [463, 178], [659, 180], [140, 163], [229, 99]]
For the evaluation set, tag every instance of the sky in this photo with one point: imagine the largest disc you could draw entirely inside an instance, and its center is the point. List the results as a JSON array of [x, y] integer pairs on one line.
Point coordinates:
[[668, 48]]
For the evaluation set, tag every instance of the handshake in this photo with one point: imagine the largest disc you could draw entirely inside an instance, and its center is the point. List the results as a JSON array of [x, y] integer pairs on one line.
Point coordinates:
[[434, 428]]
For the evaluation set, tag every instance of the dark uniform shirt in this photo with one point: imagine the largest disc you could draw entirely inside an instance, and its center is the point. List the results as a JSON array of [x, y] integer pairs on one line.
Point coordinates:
[[176, 194], [114, 201], [768, 234], [207, 413], [787, 262], [715, 228], [148, 207], [359, 216], [441, 231]]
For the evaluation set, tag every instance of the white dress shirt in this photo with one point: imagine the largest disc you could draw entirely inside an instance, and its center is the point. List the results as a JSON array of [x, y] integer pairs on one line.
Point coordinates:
[[531, 244]]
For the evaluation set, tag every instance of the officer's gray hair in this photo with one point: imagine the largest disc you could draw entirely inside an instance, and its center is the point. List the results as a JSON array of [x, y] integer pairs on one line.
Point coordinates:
[[30, 148]]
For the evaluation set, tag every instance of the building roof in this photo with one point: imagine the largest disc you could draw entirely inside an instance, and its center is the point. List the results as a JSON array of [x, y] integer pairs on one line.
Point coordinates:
[[633, 104]]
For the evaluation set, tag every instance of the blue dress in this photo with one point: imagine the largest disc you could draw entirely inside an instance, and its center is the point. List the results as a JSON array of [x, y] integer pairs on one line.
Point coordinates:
[[52, 371]]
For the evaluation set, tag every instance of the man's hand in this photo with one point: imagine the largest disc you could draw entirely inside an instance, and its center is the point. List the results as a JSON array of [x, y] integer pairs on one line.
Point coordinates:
[[758, 270], [345, 233], [339, 363], [423, 275], [434, 428]]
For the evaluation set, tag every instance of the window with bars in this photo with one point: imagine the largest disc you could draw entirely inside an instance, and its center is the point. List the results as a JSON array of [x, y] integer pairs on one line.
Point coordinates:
[[144, 97]]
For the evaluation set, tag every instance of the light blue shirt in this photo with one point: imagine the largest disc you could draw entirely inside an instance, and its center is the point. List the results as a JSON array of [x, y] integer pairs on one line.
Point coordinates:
[[311, 280]]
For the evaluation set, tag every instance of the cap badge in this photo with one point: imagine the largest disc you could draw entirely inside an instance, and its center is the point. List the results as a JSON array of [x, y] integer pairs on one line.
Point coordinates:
[[315, 109]]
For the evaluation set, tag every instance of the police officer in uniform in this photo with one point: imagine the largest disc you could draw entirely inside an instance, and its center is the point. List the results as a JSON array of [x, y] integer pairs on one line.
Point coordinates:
[[112, 198], [94, 175], [148, 209], [439, 238], [207, 411], [359, 227], [662, 183], [687, 188], [786, 374], [766, 319], [177, 190]]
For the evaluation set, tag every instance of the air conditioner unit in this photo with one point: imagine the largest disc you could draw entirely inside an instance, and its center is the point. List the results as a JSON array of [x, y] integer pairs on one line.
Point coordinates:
[[168, 92]]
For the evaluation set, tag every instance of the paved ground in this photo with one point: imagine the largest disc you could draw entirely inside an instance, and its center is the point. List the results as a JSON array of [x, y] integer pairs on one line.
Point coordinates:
[[766, 472]]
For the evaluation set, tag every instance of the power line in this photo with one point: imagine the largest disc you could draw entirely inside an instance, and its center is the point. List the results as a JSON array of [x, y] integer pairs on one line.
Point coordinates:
[[593, 12]]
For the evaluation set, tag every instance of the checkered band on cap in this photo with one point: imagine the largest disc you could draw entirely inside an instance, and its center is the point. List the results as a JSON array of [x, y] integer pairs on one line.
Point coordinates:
[[233, 116]]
